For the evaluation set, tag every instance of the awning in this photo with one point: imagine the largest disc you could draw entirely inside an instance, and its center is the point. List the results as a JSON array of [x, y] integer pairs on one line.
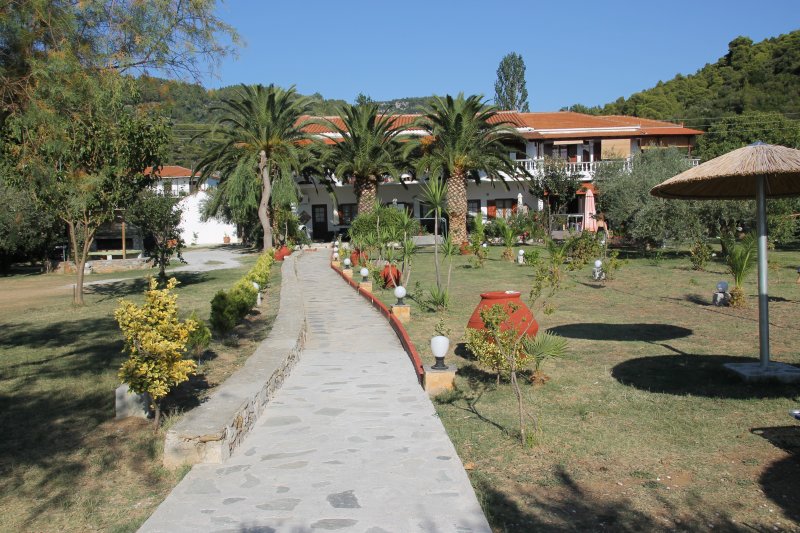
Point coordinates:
[[564, 143]]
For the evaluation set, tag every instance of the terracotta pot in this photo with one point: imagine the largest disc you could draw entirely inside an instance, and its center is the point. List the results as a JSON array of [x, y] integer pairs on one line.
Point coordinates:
[[465, 248], [391, 276], [521, 320], [357, 257], [226, 240], [282, 253]]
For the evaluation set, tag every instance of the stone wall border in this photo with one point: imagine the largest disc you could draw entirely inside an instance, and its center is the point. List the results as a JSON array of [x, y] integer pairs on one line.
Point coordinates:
[[210, 432]]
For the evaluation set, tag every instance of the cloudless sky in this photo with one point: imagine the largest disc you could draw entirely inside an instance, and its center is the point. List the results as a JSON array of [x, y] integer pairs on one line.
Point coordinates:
[[588, 52]]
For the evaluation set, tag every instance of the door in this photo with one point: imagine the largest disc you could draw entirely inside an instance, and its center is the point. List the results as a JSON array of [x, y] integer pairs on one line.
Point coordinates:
[[319, 224]]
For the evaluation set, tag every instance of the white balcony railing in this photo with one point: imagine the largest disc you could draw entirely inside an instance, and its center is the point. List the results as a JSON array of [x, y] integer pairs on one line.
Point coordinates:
[[587, 168]]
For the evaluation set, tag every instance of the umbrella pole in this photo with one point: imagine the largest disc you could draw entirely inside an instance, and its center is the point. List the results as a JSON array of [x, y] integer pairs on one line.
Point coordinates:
[[763, 301]]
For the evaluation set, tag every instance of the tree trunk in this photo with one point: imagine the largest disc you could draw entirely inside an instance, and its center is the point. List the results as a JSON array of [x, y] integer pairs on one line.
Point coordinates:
[[157, 421], [457, 206], [263, 206], [518, 394], [79, 256], [366, 190]]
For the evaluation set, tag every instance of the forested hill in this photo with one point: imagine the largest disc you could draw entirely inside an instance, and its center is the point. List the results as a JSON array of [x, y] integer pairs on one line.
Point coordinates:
[[189, 106], [751, 77]]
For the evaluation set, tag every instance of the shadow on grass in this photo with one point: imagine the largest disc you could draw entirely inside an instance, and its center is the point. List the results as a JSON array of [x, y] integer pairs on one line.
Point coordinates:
[[696, 375], [565, 506], [128, 287], [780, 482], [596, 331]]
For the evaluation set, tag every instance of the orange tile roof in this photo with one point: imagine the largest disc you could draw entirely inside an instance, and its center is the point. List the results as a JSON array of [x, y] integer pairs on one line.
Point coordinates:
[[171, 171]]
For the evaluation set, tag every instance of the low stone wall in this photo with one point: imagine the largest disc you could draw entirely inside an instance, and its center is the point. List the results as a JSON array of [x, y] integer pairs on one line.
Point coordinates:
[[103, 266], [210, 432]]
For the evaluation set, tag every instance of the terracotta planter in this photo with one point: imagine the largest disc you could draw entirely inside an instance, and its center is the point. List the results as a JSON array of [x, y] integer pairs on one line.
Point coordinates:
[[282, 253], [226, 240], [465, 249], [357, 257], [521, 320], [391, 276]]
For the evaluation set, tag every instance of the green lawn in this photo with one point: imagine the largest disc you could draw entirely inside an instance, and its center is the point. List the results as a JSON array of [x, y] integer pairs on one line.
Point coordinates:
[[65, 463], [641, 429]]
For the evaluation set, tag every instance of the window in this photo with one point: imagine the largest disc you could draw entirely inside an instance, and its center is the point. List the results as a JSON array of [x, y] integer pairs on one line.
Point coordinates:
[[347, 212], [473, 207], [505, 207]]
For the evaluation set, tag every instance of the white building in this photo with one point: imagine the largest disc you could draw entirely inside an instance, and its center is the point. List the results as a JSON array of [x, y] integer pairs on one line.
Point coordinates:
[[174, 180]]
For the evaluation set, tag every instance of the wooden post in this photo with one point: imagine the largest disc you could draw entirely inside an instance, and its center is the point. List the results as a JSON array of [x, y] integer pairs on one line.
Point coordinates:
[[123, 239]]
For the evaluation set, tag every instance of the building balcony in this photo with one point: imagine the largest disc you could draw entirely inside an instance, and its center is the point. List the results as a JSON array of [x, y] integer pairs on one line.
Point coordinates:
[[585, 169]]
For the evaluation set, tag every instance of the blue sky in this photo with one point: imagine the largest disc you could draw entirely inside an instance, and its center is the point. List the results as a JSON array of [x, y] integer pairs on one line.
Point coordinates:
[[575, 52]]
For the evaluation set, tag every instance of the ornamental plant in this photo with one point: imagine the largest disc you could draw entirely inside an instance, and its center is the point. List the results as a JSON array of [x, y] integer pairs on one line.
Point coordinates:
[[155, 341]]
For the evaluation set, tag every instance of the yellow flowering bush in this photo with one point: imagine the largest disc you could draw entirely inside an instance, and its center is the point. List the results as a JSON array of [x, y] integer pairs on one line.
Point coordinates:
[[155, 340]]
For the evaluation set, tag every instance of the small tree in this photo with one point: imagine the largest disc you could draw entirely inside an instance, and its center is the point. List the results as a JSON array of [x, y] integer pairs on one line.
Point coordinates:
[[434, 193], [160, 217], [741, 260], [155, 341], [509, 90], [558, 186]]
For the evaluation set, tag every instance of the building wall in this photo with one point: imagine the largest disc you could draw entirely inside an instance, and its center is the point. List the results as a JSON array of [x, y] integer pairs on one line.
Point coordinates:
[[391, 192], [209, 232]]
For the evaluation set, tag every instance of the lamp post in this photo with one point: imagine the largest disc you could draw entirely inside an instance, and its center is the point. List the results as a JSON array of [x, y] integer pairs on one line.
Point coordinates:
[[401, 310], [365, 282], [347, 270], [597, 271]]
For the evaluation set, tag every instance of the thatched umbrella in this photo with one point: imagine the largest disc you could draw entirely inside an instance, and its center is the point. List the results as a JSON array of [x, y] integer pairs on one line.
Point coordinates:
[[755, 171]]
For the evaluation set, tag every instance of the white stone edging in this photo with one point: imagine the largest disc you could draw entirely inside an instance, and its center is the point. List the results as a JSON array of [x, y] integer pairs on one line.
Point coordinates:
[[210, 432]]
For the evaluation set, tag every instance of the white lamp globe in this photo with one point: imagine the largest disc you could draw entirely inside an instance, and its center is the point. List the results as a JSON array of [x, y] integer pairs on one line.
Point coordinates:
[[521, 253], [399, 292], [336, 248], [347, 261], [598, 264], [484, 245], [335, 256], [364, 272]]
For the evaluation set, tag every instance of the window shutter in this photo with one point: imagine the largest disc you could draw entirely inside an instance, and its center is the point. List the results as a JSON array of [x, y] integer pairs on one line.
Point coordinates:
[[491, 208]]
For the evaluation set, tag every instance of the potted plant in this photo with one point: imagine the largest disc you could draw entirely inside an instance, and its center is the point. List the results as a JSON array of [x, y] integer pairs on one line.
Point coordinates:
[[440, 344], [226, 239]]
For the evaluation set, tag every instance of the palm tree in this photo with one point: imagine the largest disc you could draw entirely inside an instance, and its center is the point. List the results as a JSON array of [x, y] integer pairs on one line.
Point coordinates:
[[466, 137], [258, 136], [368, 149], [435, 195]]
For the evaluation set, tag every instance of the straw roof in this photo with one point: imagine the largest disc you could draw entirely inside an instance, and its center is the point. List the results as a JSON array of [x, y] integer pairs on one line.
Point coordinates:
[[733, 175]]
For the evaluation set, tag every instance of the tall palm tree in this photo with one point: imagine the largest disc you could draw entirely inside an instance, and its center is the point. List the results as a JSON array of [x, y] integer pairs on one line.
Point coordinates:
[[466, 137], [258, 136], [368, 149]]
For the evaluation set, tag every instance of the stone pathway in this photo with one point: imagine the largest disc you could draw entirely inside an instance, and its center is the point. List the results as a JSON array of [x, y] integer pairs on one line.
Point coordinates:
[[350, 442]]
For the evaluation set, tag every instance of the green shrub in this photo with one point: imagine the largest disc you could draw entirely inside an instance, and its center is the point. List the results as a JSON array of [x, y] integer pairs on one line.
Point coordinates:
[[223, 315], [243, 297], [699, 255], [199, 338], [583, 248], [260, 273]]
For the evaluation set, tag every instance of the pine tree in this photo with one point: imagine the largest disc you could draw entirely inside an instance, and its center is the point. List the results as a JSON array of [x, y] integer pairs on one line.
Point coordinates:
[[509, 89]]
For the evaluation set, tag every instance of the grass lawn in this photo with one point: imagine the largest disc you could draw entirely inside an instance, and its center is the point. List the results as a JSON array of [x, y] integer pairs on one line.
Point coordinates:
[[65, 463], [641, 429]]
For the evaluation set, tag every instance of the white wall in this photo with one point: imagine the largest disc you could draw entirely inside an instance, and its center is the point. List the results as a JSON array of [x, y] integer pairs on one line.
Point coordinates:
[[210, 232]]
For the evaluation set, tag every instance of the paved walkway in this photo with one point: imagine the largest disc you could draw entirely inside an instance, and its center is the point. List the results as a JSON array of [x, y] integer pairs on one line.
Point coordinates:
[[350, 442]]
